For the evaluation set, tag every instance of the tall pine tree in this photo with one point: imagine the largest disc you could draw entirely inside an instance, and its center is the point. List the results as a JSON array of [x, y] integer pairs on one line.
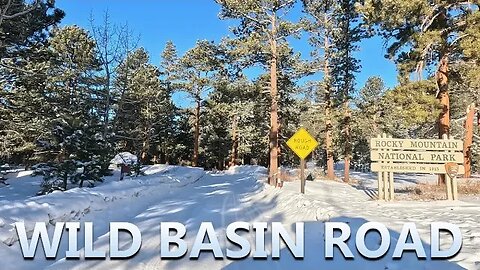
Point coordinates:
[[345, 42], [263, 29]]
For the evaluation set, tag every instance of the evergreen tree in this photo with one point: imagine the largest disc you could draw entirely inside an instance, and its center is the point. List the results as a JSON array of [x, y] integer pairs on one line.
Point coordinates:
[[235, 129], [321, 29], [215, 141], [169, 64], [23, 25], [169, 78], [424, 34], [196, 72], [345, 66], [23, 35], [182, 139], [262, 31], [409, 110], [367, 120], [368, 103], [145, 109], [75, 141], [406, 111]]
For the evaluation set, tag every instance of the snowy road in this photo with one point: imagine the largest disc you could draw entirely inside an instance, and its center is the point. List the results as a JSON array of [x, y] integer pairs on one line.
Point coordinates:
[[241, 196]]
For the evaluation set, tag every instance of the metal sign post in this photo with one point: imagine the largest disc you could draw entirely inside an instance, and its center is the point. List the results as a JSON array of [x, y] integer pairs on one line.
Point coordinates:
[[302, 144], [302, 175]]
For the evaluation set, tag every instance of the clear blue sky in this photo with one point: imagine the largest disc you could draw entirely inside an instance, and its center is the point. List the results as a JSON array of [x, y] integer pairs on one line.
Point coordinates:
[[186, 21]]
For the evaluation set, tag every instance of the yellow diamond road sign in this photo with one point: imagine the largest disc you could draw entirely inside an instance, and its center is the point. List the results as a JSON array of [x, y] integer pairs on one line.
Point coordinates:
[[302, 143]]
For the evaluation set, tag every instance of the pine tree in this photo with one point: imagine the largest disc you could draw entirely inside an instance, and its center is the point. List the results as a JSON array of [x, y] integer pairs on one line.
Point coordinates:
[[368, 103], [196, 72], [425, 34], [24, 24], [263, 29], [345, 66], [75, 138], [409, 110], [321, 30], [234, 123], [182, 141], [168, 76], [215, 141], [367, 120], [23, 36], [169, 64], [145, 110]]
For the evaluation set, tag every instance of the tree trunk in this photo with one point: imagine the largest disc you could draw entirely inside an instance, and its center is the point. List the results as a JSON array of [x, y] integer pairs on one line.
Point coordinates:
[[197, 133], [163, 156], [64, 180], [145, 146], [348, 145], [107, 105], [273, 136], [467, 143], [444, 99], [375, 121], [234, 156], [82, 180], [328, 108]]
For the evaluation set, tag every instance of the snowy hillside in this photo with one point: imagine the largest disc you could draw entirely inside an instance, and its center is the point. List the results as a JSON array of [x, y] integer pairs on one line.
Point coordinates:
[[191, 196]]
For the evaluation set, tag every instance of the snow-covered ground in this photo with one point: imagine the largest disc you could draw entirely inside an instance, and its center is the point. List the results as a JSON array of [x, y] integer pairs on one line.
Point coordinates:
[[192, 196]]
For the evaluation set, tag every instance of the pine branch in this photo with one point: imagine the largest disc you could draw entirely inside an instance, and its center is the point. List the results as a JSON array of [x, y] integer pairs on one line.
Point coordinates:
[[4, 16], [4, 65]]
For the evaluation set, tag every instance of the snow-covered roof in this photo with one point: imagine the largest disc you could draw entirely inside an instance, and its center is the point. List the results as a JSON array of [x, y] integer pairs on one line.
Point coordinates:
[[124, 158]]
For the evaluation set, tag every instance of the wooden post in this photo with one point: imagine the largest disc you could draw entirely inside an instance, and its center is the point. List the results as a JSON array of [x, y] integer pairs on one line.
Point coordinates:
[[381, 186], [468, 140], [454, 188], [302, 175], [451, 180], [449, 188], [391, 187]]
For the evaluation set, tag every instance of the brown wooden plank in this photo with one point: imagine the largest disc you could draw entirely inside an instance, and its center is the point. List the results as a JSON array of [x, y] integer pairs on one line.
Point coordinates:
[[417, 156], [416, 144], [412, 168]]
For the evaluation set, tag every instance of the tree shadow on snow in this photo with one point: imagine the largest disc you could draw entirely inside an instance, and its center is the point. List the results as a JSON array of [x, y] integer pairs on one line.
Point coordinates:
[[214, 199], [315, 254]]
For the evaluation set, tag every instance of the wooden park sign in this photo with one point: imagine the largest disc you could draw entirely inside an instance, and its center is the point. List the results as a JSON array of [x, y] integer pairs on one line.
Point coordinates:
[[302, 144], [391, 155]]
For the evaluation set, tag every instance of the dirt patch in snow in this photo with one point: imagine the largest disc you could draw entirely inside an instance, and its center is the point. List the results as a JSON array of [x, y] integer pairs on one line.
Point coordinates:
[[429, 192]]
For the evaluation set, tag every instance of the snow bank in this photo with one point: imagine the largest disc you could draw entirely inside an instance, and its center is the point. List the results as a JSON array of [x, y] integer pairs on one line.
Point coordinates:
[[248, 169], [294, 205], [74, 203]]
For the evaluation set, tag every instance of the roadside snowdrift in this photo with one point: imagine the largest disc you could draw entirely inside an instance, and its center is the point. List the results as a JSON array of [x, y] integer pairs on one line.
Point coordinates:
[[74, 203]]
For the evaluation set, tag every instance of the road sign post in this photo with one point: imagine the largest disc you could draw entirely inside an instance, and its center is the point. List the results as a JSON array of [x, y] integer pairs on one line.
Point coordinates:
[[302, 144], [302, 175]]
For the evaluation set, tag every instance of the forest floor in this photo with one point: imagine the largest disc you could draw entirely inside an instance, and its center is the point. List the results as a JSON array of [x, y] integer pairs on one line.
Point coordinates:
[[192, 196]]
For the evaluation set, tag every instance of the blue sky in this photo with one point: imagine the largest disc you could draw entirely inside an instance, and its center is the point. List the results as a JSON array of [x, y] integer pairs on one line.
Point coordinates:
[[186, 21]]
